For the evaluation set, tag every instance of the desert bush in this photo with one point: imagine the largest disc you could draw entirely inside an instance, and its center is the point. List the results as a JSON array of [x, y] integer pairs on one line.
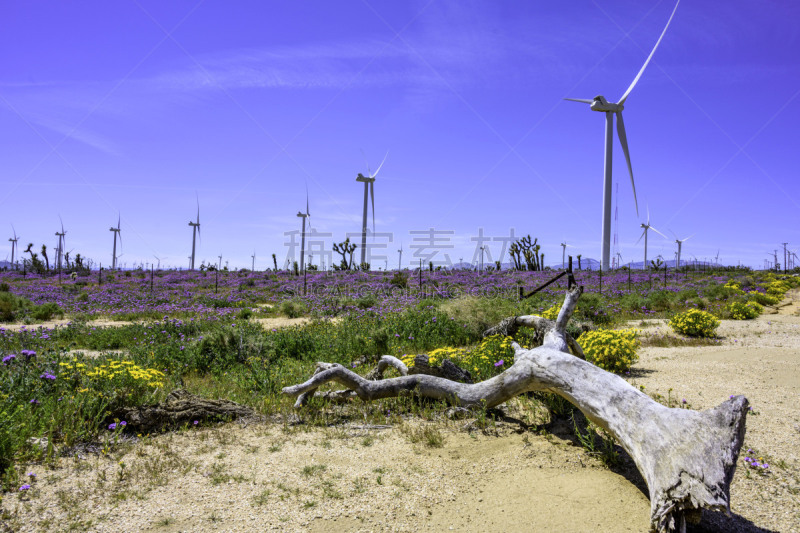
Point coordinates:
[[4, 287], [761, 298], [778, 288], [12, 306], [611, 350], [294, 308], [551, 313], [694, 323], [744, 310], [493, 355], [46, 311]]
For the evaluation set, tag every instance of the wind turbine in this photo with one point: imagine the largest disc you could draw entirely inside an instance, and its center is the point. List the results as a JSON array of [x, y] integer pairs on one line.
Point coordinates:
[[157, 259], [253, 266], [114, 252], [564, 246], [220, 262], [646, 227], [195, 231], [13, 244], [303, 237], [369, 191], [680, 242], [60, 248], [600, 104], [400, 257]]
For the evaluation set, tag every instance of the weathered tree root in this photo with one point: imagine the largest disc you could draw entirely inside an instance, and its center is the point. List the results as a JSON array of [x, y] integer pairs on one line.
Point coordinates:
[[686, 457], [179, 407]]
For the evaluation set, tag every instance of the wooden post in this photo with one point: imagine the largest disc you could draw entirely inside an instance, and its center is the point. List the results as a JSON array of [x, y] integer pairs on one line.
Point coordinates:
[[100, 275], [151, 278], [216, 281], [601, 278], [665, 275], [629, 278]]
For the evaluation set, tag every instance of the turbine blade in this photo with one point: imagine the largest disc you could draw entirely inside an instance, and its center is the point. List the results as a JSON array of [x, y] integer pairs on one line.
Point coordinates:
[[654, 229], [648, 215], [623, 140], [689, 237], [366, 162], [639, 75], [581, 100], [372, 195], [640, 237], [379, 167]]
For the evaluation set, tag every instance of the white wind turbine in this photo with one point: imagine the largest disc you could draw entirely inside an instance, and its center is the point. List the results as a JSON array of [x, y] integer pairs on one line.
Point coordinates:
[[369, 191], [253, 266], [220, 262], [13, 245], [195, 231], [646, 226], [114, 251], [304, 216], [680, 242], [400, 257], [157, 259], [564, 247], [61, 242], [599, 103]]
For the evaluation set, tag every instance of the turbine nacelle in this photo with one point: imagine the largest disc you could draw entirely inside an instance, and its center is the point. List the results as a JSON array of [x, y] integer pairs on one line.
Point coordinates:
[[365, 179], [599, 103]]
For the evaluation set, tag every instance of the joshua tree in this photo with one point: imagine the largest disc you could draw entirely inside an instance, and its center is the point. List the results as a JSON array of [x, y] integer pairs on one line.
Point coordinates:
[[345, 249], [579, 261], [529, 251], [275, 262], [46, 260]]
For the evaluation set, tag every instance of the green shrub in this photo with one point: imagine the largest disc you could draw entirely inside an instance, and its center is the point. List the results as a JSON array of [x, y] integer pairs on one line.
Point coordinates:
[[761, 298], [245, 313], [744, 311], [694, 323], [612, 350], [46, 311], [4, 287], [294, 308]]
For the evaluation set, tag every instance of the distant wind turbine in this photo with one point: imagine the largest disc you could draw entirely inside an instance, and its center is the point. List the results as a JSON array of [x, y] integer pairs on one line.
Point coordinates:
[[369, 192], [220, 262], [195, 231], [646, 227], [600, 104], [159, 262], [564, 246], [114, 251], [400, 257], [680, 243], [13, 245], [253, 266], [61, 243], [304, 216]]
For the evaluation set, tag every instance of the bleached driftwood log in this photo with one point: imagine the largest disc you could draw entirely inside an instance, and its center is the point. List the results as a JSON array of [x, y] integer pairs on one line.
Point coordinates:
[[686, 457]]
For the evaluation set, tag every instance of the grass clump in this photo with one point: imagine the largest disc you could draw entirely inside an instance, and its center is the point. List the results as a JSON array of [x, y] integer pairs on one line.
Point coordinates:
[[694, 323], [611, 350]]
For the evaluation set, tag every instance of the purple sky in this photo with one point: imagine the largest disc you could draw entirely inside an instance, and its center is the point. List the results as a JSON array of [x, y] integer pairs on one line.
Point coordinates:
[[135, 107]]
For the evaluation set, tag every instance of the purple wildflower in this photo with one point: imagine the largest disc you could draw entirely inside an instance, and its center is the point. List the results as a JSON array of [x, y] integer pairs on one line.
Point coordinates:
[[35, 402], [49, 376], [500, 363], [112, 426], [196, 422], [9, 358], [24, 487]]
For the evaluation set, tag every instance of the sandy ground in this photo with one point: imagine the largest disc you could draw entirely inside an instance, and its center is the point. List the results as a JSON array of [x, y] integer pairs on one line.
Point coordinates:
[[260, 476], [266, 323]]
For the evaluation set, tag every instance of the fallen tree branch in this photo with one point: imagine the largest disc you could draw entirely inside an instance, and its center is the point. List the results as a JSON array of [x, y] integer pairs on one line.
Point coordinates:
[[687, 457]]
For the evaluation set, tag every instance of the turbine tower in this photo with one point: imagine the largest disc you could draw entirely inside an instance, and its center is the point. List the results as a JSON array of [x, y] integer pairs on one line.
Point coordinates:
[[253, 266], [303, 235], [220, 262], [646, 227], [159, 262], [13, 245], [679, 243], [400, 257], [60, 246], [600, 104], [195, 231], [564, 254], [369, 192], [114, 251]]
